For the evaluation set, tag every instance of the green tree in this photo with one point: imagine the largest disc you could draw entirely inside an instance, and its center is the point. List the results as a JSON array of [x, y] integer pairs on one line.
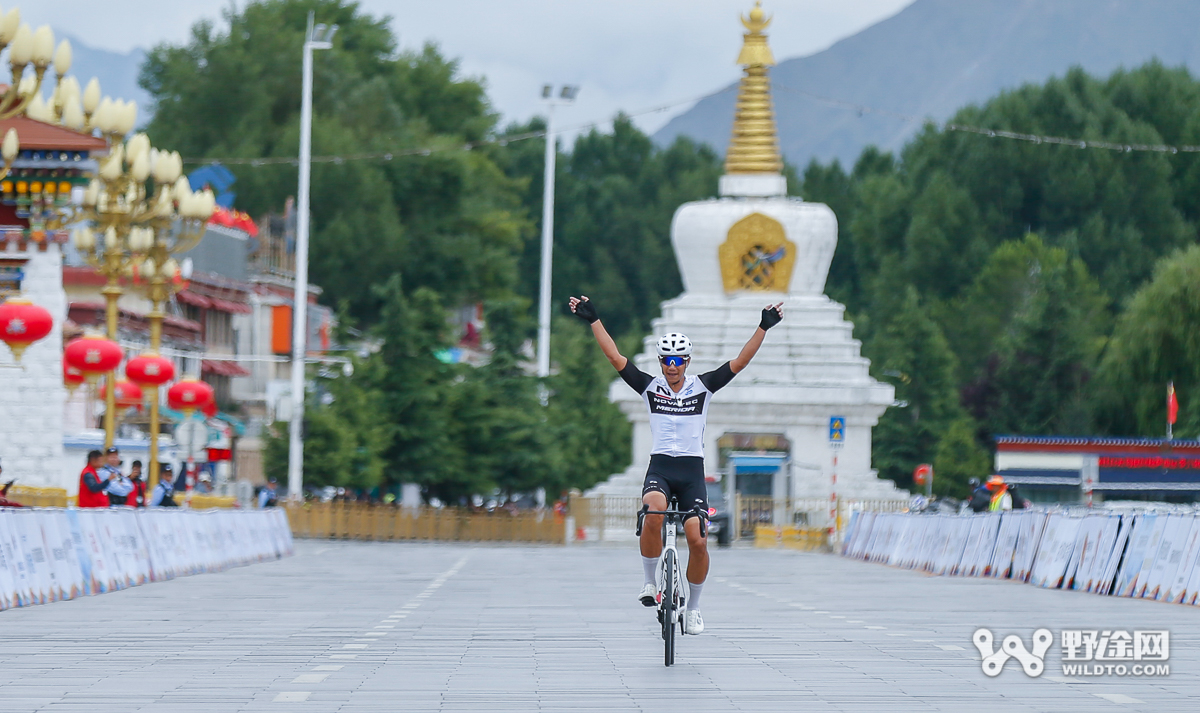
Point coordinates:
[[591, 433], [343, 439], [1041, 319], [911, 352], [1155, 342], [958, 458], [450, 220]]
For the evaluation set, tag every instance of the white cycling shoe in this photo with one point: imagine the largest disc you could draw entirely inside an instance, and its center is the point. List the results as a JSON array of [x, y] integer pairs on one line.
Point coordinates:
[[693, 623], [649, 595]]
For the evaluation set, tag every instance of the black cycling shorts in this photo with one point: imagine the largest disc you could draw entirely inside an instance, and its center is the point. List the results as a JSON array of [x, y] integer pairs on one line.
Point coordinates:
[[680, 476]]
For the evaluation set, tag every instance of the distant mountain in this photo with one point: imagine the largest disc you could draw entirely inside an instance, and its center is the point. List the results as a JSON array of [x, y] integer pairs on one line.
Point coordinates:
[[936, 56], [117, 72]]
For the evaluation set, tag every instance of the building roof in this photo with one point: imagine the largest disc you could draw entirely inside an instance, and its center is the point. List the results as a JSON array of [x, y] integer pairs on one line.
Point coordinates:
[[1093, 444], [37, 135]]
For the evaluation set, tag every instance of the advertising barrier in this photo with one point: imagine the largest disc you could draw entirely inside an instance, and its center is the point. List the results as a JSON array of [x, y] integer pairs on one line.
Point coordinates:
[[54, 554], [1144, 555]]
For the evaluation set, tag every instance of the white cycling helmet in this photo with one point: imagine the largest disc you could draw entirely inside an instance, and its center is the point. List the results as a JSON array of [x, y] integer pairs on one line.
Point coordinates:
[[674, 344]]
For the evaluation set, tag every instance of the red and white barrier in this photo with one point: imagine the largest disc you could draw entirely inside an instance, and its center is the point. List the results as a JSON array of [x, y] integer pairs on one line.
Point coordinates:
[[52, 554], [1150, 555]]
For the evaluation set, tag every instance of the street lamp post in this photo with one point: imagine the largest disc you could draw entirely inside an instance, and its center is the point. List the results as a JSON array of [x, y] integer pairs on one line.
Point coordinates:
[[319, 37], [565, 96]]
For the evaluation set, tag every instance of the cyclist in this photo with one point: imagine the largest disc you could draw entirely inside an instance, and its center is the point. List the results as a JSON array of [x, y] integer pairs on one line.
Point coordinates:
[[678, 406]]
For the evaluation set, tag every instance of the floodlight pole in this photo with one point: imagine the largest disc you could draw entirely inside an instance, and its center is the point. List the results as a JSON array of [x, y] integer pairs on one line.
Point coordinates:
[[566, 96], [300, 300]]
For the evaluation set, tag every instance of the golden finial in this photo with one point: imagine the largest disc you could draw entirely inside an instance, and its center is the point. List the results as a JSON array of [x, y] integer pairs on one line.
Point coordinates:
[[754, 147]]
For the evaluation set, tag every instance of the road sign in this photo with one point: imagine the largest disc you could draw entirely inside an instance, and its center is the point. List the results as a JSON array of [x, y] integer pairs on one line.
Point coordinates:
[[922, 473], [837, 431]]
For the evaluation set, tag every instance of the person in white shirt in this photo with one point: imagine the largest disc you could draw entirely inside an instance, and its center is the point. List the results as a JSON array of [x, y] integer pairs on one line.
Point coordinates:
[[678, 406]]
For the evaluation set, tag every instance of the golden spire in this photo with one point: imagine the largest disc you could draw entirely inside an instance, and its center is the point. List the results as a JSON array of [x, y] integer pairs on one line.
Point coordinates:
[[754, 147]]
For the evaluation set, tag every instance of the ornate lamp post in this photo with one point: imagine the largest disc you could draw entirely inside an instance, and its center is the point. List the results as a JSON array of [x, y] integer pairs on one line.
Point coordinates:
[[141, 210]]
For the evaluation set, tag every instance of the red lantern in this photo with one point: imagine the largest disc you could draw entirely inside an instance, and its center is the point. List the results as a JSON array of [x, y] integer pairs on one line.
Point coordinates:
[[149, 369], [72, 377], [187, 395], [128, 394], [93, 355], [22, 323]]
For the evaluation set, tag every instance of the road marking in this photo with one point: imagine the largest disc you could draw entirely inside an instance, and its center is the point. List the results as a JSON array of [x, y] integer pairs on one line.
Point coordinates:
[[949, 647], [1119, 698], [385, 627], [836, 616], [376, 633], [310, 678], [343, 656], [1063, 679], [355, 646], [292, 697], [874, 627], [820, 611], [924, 641], [329, 667], [854, 621]]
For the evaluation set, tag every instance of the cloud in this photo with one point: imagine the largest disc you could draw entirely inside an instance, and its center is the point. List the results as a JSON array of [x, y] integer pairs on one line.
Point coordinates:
[[625, 54]]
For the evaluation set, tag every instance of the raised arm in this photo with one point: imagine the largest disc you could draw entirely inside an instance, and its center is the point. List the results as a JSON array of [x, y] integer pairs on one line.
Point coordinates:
[[771, 316], [583, 308]]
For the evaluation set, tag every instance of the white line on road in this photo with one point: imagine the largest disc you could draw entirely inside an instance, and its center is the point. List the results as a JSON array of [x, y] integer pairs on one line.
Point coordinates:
[[1119, 698], [329, 667], [355, 646], [292, 697], [310, 678], [874, 627], [343, 656]]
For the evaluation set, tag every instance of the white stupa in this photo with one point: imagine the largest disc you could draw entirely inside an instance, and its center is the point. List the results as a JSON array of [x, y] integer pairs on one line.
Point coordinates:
[[751, 247]]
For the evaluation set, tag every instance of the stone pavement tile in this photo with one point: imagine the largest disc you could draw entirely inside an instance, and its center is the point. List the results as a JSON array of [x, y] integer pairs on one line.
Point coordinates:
[[489, 640]]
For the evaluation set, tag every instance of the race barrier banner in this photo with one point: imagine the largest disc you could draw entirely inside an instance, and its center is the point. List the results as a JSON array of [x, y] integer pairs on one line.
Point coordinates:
[[54, 554], [1145, 555]]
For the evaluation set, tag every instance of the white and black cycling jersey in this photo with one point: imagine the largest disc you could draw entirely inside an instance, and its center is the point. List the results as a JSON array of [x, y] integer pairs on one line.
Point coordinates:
[[677, 419]]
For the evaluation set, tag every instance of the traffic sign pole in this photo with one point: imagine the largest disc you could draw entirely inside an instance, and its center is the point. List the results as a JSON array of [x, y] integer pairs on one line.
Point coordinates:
[[837, 437]]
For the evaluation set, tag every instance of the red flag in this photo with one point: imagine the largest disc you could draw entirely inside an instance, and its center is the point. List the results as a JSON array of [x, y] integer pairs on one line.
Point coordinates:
[[1172, 403]]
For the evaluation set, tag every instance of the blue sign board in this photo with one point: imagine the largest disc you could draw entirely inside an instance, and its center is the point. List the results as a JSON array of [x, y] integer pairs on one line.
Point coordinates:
[[837, 430]]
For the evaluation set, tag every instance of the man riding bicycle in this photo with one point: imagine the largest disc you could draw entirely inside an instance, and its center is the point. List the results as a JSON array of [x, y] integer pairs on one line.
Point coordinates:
[[678, 406]]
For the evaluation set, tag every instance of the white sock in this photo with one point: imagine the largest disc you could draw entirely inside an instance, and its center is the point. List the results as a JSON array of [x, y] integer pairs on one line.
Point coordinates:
[[694, 595], [649, 564]]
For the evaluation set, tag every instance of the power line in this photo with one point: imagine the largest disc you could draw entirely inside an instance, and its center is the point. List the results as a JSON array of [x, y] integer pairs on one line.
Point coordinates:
[[1121, 146], [430, 150]]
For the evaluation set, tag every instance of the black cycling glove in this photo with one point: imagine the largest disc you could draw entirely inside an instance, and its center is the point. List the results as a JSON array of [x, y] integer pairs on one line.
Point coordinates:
[[771, 316], [586, 311]]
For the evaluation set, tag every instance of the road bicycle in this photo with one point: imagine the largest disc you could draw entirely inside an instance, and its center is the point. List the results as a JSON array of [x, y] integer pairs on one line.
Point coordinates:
[[672, 590]]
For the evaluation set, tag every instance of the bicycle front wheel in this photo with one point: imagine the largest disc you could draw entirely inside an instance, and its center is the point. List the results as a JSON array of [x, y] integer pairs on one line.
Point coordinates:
[[668, 609]]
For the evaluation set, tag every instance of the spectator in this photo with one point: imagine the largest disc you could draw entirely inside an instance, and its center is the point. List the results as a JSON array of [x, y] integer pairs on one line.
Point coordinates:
[[1001, 499], [137, 498], [164, 493], [981, 497], [119, 487], [267, 497], [91, 486], [204, 483]]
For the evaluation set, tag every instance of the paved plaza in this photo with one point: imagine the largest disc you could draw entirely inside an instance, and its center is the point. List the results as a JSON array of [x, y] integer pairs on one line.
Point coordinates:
[[348, 626]]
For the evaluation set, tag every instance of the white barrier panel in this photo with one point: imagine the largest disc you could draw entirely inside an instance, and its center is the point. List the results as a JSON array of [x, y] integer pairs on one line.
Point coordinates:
[[1146, 555], [52, 554]]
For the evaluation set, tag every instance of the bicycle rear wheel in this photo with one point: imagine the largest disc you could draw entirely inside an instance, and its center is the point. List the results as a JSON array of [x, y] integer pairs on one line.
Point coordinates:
[[668, 609]]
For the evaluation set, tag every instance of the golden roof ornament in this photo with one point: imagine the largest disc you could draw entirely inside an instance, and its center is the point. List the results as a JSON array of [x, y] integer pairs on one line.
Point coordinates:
[[754, 147]]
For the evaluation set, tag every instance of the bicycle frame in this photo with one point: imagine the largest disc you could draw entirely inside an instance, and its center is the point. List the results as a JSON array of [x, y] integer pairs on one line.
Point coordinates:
[[672, 594]]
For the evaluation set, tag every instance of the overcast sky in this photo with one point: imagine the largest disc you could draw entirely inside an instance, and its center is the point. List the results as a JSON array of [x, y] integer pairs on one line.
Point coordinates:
[[626, 55]]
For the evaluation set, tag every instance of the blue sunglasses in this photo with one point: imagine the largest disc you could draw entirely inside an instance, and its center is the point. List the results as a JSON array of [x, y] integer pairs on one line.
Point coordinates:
[[673, 360]]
